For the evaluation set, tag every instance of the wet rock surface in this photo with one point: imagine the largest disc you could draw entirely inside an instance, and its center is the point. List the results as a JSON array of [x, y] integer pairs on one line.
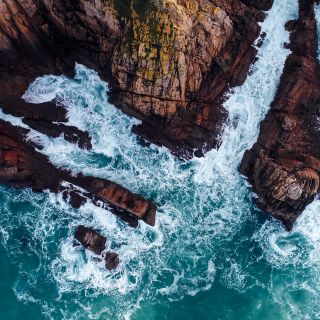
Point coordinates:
[[112, 260], [284, 165], [168, 65], [22, 166], [91, 239], [175, 67]]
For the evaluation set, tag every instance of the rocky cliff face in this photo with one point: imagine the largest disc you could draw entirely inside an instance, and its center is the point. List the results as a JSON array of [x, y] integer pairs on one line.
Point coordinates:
[[176, 61], [169, 62], [284, 164]]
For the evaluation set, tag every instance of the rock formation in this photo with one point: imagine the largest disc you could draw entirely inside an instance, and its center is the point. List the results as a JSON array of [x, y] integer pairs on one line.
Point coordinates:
[[176, 61], [112, 260], [169, 62], [284, 165], [22, 166], [90, 239]]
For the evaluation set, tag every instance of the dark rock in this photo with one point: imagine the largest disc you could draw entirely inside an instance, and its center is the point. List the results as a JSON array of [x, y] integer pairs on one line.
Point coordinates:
[[76, 200], [177, 93], [70, 133], [131, 203], [22, 166], [259, 4], [123, 200], [112, 260], [90, 239]]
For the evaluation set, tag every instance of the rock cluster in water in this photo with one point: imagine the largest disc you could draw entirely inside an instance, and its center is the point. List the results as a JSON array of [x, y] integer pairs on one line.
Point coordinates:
[[22, 166], [93, 241]]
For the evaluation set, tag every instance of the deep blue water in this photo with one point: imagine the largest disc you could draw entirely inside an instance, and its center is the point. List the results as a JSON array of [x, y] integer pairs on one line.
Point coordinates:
[[212, 254]]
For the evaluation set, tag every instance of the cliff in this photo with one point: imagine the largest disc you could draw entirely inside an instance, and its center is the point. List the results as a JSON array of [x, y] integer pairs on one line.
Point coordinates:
[[284, 165], [168, 63]]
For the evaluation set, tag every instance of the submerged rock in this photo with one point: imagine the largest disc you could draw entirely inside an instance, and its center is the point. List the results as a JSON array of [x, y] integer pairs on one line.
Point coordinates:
[[90, 239], [284, 165]]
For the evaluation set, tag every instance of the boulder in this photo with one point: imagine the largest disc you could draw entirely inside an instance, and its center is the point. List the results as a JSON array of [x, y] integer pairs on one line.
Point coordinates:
[[112, 260], [90, 239]]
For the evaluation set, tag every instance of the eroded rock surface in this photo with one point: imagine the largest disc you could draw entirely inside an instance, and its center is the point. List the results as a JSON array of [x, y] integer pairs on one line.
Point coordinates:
[[176, 61], [284, 164], [91, 239], [169, 62], [47, 37]]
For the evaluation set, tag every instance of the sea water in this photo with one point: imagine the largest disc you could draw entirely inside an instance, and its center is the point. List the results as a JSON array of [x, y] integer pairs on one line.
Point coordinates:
[[212, 253]]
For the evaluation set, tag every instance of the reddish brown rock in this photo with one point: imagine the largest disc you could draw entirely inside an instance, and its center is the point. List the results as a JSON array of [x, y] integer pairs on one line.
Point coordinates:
[[70, 133], [76, 199], [284, 164], [91, 239], [259, 4], [132, 203], [23, 166], [10, 158], [173, 77], [168, 63]]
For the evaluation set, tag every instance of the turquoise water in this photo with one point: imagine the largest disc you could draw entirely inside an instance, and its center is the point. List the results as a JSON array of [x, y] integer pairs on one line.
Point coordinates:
[[212, 254]]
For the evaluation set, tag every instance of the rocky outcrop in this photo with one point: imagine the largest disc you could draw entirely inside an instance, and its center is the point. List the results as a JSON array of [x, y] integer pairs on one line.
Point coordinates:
[[168, 62], [36, 39], [22, 166], [175, 62], [259, 4], [284, 165], [112, 260]]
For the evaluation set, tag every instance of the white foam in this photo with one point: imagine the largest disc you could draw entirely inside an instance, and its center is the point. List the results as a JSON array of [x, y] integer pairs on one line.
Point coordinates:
[[317, 13]]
